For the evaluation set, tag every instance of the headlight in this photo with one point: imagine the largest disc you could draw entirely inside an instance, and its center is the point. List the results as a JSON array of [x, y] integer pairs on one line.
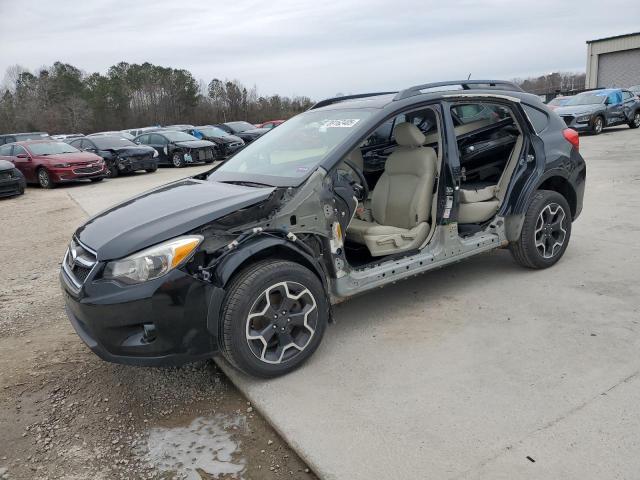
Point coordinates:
[[155, 153], [583, 118], [154, 261], [62, 165]]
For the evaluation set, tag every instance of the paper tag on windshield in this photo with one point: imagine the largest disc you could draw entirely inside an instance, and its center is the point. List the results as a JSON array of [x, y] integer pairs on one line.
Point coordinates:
[[342, 123]]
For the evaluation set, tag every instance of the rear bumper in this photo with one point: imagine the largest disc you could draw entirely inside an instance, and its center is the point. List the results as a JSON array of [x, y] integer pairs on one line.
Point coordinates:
[[162, 322]]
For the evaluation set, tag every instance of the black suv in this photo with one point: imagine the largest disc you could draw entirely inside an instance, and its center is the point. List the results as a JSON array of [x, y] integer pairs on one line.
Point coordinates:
[[356, 193]]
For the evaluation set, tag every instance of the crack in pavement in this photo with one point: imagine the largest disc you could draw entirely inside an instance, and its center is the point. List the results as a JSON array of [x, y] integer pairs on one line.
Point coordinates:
[[546, 426]]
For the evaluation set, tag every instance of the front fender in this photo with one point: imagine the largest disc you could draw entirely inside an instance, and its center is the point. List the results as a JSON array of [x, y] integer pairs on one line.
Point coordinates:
[[261, 247]]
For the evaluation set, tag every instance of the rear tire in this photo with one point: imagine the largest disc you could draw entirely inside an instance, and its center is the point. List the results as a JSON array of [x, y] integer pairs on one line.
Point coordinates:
[[635, 120], [274, 316], [44, 179], [545, 232], [598, 125]]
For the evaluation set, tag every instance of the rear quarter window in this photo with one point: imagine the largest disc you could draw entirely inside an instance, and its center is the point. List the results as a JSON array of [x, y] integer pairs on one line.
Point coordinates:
[[538, 118]]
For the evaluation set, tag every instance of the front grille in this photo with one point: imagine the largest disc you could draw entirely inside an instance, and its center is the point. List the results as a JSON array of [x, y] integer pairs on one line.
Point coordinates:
[[205, 154], [78, 262], [567, 119], [86, 170]]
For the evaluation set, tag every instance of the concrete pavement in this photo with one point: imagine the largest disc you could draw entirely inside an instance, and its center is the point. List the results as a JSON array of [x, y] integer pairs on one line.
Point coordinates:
[[483, 370]]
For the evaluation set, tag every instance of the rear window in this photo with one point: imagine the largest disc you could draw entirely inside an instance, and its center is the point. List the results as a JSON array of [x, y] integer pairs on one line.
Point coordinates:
[[538, 118]]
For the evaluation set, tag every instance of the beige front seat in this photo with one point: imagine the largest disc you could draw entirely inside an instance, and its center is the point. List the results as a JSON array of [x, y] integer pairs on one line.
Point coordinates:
[[479, 202], [401, 200]]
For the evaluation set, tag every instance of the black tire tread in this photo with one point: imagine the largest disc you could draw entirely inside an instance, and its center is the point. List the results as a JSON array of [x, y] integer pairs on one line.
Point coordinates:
[[238, 293], [519, 250]]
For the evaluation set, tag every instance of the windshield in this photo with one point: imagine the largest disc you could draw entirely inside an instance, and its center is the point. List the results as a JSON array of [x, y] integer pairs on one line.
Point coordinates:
[[240, 126], [212, 131], [52, 148], [586, 99], [112, 142], [179, 136], [296, 147], [558, 101]]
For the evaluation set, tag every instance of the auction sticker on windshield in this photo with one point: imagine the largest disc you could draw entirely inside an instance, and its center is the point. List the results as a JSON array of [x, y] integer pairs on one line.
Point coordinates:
[[340, 123]]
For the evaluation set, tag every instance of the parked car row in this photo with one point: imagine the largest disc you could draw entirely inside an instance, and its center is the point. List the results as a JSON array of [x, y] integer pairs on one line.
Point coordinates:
[[594, 110]]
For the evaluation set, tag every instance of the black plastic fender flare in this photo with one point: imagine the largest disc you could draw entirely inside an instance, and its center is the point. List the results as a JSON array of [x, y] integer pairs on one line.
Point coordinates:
[[233, 262]]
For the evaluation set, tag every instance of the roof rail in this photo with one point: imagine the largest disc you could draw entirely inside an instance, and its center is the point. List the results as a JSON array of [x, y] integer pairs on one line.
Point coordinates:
[[330, 101], [465, 84]]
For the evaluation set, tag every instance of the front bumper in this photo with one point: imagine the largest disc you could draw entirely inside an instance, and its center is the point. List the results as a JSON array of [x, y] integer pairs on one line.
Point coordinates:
[[131, 164], [584, 125], [11, 186], [73, 173], [162, 322]]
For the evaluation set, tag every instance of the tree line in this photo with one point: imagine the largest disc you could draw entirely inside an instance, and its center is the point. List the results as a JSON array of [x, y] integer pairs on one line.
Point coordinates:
[[64, 99], [554, 83]]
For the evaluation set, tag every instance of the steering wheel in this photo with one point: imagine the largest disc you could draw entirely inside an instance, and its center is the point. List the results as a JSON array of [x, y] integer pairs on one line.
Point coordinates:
[[360, 189]]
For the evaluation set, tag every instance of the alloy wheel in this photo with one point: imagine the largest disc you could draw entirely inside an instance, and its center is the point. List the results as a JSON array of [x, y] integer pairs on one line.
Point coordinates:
[[177, 160], [636, 119], [43, 178], [281, 322], [551, 231], [598, 125]]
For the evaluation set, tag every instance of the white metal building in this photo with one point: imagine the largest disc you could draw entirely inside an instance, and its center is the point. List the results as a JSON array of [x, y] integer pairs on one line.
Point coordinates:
[[613, 61]]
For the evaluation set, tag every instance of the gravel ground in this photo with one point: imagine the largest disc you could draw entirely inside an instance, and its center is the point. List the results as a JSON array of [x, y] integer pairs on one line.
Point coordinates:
[[66, 414]]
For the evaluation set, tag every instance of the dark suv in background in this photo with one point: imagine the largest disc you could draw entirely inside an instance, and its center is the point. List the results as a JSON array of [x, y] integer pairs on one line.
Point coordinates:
[[595, 110], [356, 193]]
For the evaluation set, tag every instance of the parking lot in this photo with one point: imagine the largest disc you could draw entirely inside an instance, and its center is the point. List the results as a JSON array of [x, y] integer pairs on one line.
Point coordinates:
[[481, 370]]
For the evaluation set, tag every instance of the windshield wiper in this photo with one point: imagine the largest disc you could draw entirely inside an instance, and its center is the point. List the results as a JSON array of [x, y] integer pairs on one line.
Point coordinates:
[[247, 184]]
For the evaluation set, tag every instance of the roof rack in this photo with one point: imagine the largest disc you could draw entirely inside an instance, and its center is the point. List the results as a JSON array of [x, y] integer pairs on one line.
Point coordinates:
[[331, 101], [465, 84]]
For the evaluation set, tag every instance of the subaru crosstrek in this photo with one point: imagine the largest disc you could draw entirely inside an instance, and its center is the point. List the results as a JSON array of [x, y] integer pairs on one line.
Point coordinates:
[[356, 193]]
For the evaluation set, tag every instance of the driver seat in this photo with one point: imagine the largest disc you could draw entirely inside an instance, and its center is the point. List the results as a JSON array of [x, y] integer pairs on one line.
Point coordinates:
[[401, 200]]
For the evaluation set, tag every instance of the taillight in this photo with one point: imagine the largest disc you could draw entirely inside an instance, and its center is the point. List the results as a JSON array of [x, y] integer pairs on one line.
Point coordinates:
[[572, 137]]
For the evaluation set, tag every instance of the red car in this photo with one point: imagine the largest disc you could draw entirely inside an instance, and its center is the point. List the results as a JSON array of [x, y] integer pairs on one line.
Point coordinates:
[[270, 124], [48, 162]]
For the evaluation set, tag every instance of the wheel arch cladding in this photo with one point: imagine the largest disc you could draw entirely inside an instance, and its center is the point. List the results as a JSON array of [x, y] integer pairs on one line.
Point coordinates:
[[562, 186], [255, 251]]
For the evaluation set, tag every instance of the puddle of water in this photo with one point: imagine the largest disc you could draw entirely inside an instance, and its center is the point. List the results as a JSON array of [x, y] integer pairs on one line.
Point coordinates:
[[205, 445]]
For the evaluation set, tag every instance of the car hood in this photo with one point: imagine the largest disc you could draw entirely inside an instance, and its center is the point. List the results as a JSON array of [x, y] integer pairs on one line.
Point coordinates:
[[195, 144], [578, 109], [131, 151], [231, 139], [255, 131], [74, 157], [164, 213], [6, 165]]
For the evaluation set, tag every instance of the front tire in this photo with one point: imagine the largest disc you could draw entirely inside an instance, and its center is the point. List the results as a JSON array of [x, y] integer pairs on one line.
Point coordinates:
[[545, 232], [44, 179], [151, 170], [177, 160], [274, 316], [635, 121], [598, 125], [97, 179], [112, 171]]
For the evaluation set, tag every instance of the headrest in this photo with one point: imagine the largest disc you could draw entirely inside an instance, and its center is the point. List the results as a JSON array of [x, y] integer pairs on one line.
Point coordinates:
[[414, 161], [408, 135]]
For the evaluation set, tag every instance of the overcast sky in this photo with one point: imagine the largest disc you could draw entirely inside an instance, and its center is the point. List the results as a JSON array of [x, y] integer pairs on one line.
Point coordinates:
[[315, 48]]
